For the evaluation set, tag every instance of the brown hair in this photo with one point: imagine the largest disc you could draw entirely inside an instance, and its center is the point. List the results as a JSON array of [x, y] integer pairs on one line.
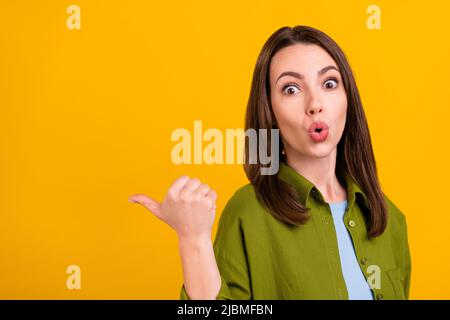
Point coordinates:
[[354, 151]]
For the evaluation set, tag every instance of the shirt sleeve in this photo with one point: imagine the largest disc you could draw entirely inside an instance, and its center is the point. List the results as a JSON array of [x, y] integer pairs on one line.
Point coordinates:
[[224, 292], [230, 253], [234, 282], [407, 261]]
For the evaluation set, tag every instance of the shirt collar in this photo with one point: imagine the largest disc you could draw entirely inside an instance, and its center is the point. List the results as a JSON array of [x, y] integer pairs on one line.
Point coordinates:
[[304, 187]]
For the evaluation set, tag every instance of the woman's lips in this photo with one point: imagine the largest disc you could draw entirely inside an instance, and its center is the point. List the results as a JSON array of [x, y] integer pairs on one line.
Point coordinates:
[[318, 131]]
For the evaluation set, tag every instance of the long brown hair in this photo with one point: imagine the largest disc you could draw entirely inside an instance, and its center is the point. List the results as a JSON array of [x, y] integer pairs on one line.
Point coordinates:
[[354, 151]]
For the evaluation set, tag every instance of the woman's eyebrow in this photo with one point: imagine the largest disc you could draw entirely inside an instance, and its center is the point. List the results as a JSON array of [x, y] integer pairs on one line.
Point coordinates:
[[301, 76]]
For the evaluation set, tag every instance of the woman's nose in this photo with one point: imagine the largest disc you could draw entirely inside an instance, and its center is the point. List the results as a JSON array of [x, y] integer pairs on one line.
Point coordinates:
[[314, 106], [314, 109]]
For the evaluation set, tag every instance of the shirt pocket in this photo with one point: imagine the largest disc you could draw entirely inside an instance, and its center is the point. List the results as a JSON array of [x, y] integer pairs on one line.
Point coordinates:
[[397, 281]]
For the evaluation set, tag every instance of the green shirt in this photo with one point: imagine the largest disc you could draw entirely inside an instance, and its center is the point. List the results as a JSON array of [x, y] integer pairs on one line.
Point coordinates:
[[260, 257]]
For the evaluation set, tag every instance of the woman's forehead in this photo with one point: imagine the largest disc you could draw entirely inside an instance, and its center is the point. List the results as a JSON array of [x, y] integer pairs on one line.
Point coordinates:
[[300, 58], [301, 55]]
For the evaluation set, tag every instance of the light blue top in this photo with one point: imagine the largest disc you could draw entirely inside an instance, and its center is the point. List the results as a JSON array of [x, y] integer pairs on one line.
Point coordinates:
[[357, 286]]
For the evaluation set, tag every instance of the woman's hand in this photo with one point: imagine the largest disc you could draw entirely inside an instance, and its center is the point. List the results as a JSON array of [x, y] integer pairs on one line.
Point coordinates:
[[189, 207]]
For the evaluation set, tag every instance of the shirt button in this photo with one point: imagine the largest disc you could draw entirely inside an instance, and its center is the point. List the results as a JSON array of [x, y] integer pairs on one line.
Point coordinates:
[[325, 219], [351, 223], [364, 261], [379, 296]]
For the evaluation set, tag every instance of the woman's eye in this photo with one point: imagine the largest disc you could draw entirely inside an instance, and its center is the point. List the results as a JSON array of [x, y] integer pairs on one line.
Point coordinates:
[[331, 83], [290, 89]]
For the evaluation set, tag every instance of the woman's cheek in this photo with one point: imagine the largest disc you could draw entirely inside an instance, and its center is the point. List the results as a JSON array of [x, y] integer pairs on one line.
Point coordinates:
[[341, 120]]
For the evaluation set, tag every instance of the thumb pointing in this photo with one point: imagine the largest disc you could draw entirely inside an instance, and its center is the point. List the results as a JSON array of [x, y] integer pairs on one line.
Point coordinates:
[[151, 204]]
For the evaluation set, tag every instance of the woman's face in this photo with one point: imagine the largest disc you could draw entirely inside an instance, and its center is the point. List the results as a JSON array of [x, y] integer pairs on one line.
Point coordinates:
[[306, 88]]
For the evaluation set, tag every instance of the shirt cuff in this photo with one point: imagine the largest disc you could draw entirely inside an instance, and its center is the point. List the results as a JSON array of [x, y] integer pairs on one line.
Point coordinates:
[[224, 292]]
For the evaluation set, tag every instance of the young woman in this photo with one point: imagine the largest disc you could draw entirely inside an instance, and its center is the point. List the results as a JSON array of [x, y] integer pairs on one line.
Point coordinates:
[[321, 228]]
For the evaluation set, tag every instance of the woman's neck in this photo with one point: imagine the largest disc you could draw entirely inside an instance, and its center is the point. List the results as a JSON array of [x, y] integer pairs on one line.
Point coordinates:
[[322, 173]]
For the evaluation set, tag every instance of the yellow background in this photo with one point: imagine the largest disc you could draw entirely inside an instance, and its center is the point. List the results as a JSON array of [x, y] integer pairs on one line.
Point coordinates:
[[86, 117]]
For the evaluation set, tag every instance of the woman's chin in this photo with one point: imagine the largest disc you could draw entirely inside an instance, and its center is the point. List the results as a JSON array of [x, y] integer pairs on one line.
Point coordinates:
[[322, 150], [314, 150]]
